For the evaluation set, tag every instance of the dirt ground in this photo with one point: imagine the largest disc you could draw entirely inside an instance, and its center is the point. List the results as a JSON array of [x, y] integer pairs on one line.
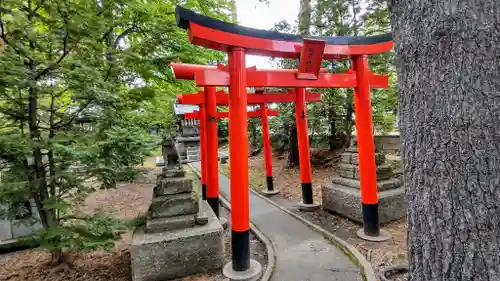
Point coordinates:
[[127, 201], [288, 182]]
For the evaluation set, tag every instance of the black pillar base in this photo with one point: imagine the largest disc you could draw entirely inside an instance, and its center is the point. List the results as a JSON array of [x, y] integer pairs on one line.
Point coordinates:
[[371, 224], [204, 191], [307, 193], [214, 204], [240, 244], [270, 184]]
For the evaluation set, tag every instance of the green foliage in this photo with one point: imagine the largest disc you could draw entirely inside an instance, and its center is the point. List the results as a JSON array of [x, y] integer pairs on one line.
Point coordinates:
[[331, 120], [82, 86]]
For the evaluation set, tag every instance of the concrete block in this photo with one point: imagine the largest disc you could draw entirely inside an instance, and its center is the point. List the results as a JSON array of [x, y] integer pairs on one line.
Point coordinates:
[[5, 230], [171, 186], [177, 253], [381, 185], [174, 205], [347, 202], [171, 223]]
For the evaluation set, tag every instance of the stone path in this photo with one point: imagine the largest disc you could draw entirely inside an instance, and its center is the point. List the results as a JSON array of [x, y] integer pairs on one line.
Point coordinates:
[[302, 254]]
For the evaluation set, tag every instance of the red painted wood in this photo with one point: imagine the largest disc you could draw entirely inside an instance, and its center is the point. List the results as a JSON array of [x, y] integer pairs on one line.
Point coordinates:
[[223, 99], [212, 144], [203, 143], [220, 40], [311, 58], [364, 129], [222, 115], [268, 156], [186, 71], [238, 148], [303, 137], [220, 78]]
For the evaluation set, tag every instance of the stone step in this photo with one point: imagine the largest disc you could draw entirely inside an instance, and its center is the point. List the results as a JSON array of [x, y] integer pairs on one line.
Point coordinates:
[[170, 186], [174, 205], [381, 185], [170, 223], [353, 158], [352, 172]]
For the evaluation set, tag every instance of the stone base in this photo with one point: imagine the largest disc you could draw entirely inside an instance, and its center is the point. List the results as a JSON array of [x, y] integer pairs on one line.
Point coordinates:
[[309, 207], [174, 205], [171, 223], [383, 236], [251, 274], [347, 202], [270, 192], [178, 253]]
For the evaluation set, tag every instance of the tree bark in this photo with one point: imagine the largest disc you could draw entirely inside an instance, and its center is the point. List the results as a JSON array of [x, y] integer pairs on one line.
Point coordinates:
[[448, 64], [333, 129], [348, 120], [293, 148], [305, 17], [234, 11]]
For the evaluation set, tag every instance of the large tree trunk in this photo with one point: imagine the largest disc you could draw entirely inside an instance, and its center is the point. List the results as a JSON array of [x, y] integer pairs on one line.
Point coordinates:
[[448, 63]]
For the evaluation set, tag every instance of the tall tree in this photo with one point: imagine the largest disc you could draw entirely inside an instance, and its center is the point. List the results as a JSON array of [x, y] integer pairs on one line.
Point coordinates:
[[448, 65], [78, 85]]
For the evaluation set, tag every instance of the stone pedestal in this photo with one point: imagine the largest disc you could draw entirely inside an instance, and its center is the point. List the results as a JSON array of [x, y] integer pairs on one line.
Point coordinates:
[[182, 235], [343, 196]]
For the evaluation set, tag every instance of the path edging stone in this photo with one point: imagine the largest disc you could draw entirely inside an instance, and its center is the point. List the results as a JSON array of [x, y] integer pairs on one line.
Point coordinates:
[[271, 256]]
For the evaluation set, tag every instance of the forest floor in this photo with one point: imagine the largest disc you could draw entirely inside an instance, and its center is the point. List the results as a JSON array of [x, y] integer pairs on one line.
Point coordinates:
[[127, 201], [380, 255]]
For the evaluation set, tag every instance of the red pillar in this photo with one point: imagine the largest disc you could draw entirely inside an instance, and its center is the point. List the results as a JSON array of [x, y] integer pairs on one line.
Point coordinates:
[[212, 162], [268, 157], [238, 160], [203, 151], [303, 143], [366, 147]]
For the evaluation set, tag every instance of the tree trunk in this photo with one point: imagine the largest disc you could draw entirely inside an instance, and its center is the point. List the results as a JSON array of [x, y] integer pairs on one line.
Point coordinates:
[[448, 64], [234, 11], [305, 17], [293, 148], [348, 120], [333, 129]]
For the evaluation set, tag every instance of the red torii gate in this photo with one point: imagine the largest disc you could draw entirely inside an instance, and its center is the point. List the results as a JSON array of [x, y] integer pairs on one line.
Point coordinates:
[[238, 41], [260, 113], [210, 172], [225, 114]]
